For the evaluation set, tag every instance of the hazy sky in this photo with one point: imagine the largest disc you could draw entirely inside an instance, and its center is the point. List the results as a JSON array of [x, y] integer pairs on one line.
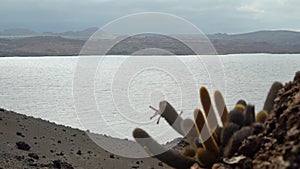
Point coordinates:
[[211, 16]]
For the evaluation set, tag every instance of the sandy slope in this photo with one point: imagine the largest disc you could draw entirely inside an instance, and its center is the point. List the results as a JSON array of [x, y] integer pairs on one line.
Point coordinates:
[[51, 142]]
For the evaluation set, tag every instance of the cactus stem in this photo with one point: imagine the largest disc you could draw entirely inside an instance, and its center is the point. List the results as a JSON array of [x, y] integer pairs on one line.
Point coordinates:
[[221, 107], [168, 156], [203, 129]]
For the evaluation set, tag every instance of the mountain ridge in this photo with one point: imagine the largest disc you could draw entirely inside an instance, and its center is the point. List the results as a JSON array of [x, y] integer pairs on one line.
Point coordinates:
[[71, 42]]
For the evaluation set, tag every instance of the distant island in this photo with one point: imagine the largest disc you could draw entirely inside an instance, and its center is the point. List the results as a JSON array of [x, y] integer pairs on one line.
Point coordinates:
[[23, 42]]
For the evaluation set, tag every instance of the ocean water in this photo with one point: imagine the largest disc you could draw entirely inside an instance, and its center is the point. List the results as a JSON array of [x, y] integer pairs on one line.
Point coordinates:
[[111, 95]]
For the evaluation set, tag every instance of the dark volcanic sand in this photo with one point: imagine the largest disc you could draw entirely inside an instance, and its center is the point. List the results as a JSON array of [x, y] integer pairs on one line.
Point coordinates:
[[57, 146]]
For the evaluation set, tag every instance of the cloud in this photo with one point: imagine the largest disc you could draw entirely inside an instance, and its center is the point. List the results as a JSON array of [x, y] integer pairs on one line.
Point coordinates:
[[209, 15], [248, 8]]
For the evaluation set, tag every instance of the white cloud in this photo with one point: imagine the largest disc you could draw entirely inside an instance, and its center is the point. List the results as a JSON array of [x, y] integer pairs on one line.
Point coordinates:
[[249, 8]]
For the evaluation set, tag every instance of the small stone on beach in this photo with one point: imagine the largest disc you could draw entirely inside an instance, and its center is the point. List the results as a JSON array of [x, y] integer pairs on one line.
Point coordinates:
[[34, 156], [22, 146], [19, 134], [79, 152]]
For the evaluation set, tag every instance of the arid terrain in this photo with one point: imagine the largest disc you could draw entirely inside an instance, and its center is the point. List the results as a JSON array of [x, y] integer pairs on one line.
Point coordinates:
[[26, 142]]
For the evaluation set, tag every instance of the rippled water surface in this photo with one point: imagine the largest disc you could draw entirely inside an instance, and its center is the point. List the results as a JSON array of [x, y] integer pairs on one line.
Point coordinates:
[[124, 87]]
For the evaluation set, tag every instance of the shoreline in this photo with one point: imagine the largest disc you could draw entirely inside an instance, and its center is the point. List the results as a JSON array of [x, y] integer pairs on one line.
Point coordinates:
[[119, 55]]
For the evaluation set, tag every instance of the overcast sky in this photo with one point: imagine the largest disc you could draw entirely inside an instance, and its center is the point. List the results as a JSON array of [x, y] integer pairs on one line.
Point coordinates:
[[211, 16]]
